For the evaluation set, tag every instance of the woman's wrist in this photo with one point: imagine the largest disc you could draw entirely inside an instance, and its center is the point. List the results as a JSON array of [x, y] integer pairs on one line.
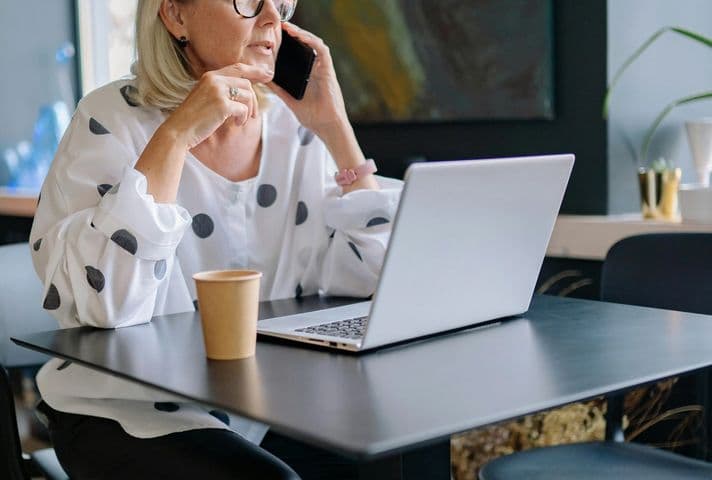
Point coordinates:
[[344, 148], [161, 162], [176, 136], [341, 141]]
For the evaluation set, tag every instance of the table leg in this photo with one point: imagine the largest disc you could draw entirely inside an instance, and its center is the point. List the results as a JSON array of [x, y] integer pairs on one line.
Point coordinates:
[[431, 462]]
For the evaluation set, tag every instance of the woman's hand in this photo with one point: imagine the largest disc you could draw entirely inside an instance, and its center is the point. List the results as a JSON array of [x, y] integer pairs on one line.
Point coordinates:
[[210, 103], [322, 107]]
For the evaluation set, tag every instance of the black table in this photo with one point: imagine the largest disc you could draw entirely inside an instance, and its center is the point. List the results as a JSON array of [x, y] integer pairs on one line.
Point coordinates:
[[395, 408]]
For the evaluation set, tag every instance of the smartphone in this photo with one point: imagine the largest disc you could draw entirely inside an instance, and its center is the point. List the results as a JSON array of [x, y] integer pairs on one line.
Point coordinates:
[[293, 66]]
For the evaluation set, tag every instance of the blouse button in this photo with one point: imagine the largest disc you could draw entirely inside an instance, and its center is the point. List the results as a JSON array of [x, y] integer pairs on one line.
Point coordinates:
[[234, 194]]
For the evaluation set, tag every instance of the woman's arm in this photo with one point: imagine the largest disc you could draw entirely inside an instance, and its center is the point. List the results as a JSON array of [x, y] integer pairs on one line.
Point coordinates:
[[100, 244], [107, 228], [342, 144], [322, 109]]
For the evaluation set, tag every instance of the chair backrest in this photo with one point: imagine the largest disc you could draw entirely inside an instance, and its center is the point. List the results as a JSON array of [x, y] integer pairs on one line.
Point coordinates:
[[663, 270], [11, 466], [20, 305]]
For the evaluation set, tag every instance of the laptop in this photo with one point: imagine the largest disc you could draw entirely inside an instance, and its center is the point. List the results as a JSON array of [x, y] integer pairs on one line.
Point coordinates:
[[466, 246]]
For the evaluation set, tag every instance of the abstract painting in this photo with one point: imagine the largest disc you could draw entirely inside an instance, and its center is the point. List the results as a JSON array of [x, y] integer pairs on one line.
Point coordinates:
[[438, 60]]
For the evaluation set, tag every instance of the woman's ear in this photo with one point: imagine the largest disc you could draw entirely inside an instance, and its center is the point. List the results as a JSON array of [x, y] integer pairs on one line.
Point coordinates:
[[172, 15]]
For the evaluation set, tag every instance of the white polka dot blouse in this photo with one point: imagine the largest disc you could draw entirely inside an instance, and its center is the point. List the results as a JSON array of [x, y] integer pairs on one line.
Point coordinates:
[[109, 256]]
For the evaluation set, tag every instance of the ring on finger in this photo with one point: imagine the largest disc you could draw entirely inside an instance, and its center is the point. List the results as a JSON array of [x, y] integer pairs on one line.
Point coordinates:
[[234, 94]]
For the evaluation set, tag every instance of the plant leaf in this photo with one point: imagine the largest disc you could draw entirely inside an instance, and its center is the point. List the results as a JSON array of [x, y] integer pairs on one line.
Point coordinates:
[[656, 123], [682, 31], [693, 35]]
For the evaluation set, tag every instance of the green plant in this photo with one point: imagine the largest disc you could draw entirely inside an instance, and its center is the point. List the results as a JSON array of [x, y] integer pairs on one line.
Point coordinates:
[[669, 107]]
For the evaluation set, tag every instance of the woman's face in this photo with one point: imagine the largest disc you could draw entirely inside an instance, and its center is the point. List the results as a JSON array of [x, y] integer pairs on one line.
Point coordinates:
[[219, 37]]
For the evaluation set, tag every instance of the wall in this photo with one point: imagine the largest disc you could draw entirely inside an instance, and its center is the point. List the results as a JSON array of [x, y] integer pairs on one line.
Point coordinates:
[[672, 67], [30, 32]]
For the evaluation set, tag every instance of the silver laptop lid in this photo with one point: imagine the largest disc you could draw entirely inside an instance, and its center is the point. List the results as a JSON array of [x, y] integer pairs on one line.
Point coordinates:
[[468, 241]]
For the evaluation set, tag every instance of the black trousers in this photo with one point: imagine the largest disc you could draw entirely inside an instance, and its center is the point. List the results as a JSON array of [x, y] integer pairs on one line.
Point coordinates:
[[98, 448]]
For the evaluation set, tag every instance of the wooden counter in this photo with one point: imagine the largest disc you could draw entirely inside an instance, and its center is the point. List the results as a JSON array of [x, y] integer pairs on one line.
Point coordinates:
[[17, 202], [588, 237]]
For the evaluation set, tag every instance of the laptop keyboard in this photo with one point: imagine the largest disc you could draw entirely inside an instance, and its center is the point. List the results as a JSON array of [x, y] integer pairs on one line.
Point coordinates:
[[352, 328]]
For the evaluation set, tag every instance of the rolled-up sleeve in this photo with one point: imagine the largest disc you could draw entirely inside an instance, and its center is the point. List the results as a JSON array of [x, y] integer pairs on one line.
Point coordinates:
[[361, 222], [100, 243]]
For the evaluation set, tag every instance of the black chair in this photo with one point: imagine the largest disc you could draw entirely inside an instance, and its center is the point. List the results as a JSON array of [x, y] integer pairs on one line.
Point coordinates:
[[16, 465], [672, 271], [20, 312]]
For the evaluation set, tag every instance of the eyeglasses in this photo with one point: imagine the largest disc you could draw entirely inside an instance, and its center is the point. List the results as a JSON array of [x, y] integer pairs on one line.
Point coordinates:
[[252, 8]]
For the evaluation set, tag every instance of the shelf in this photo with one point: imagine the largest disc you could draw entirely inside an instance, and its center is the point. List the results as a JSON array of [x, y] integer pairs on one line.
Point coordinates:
[[18, 202], [589, 237]]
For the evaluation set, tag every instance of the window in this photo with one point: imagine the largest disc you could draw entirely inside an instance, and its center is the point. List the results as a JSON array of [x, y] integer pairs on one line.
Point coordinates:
[[106, 36], [38, 92]]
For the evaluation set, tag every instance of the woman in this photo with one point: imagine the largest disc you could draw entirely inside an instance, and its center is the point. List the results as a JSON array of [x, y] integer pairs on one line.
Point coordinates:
[[192, 166]]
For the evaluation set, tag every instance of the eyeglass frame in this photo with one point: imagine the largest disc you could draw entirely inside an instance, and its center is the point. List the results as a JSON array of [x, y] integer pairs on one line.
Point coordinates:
[[259, 9]]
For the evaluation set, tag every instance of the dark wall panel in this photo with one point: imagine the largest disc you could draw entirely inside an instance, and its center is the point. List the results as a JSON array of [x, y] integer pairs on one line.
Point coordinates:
[[579, 85]]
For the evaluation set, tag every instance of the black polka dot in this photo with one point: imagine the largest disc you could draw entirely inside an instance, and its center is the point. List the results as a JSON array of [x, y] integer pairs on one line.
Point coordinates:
[[103, 188], [166, 406], [220, 415], [159, 269], [305, 135], [97, 128], [333, 232], [51, 301], [302, 213], [203, 225], [64, 365], [114, 189], [36, 245], [128, 91], [39, 197], [355, 250], [92, 225], [125, 240], [377, 221], [298, 291], [266, 195], [95, 278], [195, 305]]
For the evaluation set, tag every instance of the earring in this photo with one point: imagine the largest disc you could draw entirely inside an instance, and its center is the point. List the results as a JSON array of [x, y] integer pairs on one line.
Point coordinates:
[[182, 42]]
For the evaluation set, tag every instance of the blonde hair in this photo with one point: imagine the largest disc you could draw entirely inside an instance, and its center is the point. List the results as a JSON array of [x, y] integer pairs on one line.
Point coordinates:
[[163, 73]]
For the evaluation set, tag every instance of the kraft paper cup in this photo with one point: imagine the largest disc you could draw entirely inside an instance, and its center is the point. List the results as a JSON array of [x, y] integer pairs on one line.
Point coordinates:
[[228, 302]]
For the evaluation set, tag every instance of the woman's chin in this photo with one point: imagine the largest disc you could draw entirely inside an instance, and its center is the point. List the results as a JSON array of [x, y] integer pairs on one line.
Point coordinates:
[[260, 60]]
